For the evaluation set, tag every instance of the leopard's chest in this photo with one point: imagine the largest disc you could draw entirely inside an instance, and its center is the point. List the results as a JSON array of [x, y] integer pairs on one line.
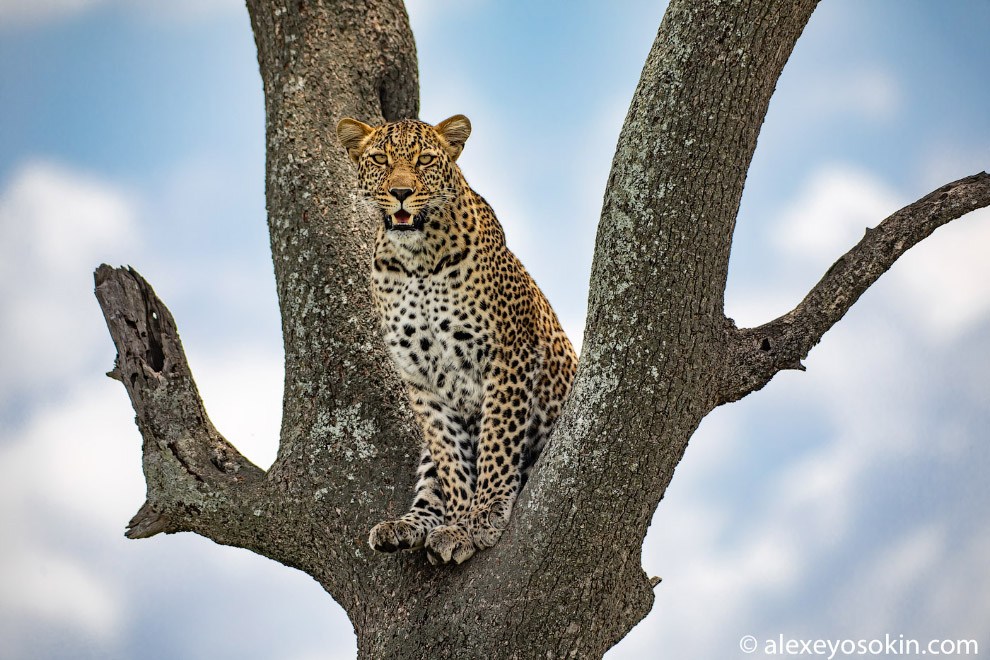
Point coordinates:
[[437, 336]]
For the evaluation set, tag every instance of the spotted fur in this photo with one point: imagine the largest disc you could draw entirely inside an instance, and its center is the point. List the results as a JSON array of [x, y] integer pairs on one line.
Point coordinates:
[[485, 362]]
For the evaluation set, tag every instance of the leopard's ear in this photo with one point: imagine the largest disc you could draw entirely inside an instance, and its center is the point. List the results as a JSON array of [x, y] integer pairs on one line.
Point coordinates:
[[352, 135], [455, 131]]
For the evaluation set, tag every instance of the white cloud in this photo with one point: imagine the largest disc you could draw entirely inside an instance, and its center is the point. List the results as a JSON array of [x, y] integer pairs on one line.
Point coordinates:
[[939, 286], [57, 217], [81, 456], [828, 214], [874, 92], [59, 469], [831, 212], [944, 281], [875, 599], [56, 225], [57, 588], [926, 584], [70, 454], [70, 478], [242, 388], [943, 160], [869, 92], [73, 469], [959, 604]]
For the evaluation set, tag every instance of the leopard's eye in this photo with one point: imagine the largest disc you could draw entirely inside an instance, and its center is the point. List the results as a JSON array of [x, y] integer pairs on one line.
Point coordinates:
[[381, 159], [426, 159]]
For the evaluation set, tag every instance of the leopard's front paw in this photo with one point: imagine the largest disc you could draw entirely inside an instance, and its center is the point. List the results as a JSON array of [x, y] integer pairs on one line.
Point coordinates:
[[393, 535], [449, 543], [488, 521]]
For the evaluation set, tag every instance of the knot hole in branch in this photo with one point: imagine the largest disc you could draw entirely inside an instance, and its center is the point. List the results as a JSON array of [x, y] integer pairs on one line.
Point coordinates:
[[155, 355]]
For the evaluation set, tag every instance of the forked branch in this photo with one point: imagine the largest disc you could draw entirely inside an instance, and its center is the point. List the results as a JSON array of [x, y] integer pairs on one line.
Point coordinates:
[[757, 354], [191, 471]]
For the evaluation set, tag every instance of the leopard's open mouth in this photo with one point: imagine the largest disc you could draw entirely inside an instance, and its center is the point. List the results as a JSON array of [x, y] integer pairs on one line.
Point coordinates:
[[402, 220]]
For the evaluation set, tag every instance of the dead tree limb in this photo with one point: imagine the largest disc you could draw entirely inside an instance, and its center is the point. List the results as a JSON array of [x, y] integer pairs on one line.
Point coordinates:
[[757, 354], [197, 481]]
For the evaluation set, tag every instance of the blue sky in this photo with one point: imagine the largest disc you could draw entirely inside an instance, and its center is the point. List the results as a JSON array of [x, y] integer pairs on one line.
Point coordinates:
[[845, 502]]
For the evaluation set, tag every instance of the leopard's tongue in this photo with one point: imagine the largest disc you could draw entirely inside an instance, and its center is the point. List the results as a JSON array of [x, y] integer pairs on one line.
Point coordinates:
[[402, 217]]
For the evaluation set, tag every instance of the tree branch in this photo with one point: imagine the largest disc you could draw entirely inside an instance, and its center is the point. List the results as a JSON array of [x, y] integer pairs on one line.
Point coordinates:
[[757, 354], [191, 471]]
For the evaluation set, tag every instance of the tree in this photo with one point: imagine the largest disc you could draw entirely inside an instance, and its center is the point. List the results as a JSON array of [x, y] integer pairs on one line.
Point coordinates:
[[657, 341]]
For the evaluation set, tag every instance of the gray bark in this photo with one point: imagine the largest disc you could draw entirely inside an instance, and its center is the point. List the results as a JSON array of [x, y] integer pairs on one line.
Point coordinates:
[[566, 578]]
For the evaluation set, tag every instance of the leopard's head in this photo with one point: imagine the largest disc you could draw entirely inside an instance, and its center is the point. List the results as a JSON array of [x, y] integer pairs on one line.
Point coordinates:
[[406, 167]]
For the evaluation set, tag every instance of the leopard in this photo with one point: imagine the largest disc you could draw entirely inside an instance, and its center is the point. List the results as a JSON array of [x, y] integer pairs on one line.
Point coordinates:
[[481, 354]]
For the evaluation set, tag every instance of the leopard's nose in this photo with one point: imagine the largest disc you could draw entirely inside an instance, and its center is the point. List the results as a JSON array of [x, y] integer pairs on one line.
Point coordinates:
[[400, 193]]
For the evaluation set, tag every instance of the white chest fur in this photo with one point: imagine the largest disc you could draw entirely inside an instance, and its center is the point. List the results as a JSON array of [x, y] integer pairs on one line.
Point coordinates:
[[437, 347]]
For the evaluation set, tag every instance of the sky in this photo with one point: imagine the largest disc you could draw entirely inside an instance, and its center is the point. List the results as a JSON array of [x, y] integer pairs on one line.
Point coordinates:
[[847, 502]]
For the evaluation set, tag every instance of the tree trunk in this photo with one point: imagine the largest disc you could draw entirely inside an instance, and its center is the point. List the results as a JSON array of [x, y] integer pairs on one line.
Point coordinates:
[[659, 354]]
